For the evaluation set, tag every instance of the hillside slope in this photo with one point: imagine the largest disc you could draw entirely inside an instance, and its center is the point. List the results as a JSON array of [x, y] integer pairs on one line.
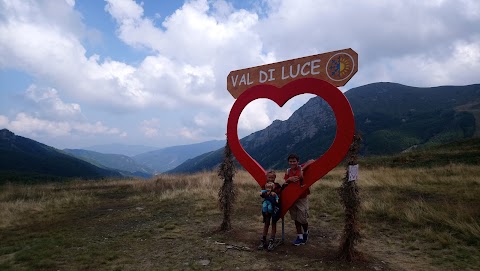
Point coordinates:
[[122, 163], [465, 151], [118, 148], [23, 159], [391, 118], [168, 158]]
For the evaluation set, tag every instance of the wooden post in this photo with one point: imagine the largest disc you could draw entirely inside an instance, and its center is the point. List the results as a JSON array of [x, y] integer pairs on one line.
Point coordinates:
[[350, 199], [226, 194]]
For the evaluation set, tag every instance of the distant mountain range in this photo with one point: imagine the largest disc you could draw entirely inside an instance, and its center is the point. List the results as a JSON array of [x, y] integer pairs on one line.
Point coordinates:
[[117, 148], [145, 164], [391, 118], [168, 158], [122, 163], [26, 160]]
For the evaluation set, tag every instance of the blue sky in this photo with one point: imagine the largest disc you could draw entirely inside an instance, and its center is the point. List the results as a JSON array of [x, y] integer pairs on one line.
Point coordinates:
[[80, 73]]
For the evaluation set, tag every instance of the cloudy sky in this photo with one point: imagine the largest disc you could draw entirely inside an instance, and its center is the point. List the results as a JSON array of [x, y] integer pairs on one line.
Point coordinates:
[[80, 73]]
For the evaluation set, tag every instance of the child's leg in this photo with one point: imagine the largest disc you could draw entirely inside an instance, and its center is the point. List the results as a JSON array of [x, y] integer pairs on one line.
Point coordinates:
[[271, 242], [266, 225], [274, 230]]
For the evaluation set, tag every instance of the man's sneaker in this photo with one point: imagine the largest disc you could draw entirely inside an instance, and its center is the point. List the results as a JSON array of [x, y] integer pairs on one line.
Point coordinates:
[[298, 242], [305, 237], [263, 244], [271, 244]]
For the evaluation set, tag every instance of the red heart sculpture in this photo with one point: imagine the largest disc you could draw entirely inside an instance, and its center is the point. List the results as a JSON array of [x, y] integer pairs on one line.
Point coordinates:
[[329, 160]]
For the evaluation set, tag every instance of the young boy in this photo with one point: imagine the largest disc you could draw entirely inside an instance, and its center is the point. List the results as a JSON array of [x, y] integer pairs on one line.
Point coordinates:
[[299, 210], [270, 207], [295, 170]]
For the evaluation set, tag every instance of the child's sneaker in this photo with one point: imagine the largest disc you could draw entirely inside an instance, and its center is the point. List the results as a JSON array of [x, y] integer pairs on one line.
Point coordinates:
[[305, 236], [298, 242], [271, 244], [263, 244]]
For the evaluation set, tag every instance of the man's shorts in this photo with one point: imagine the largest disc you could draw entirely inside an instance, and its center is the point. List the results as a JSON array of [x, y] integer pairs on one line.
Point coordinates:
[[299, 211]]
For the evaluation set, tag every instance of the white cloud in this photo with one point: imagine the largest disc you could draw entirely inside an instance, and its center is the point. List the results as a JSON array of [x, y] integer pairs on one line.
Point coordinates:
[[151, 127], [50, 104], [426, 70], [201, 43], [203, 119], [134, 30], [56, 56], [124, 10], [3, 121], [30, 125], [70, 2], [381, 32], [260, 113], [471, 9], [254, 116], [189, 133], [186, 57], [96, 128]]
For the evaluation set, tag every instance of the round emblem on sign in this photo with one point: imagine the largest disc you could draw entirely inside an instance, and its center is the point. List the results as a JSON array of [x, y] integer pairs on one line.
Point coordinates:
[[340, 66]]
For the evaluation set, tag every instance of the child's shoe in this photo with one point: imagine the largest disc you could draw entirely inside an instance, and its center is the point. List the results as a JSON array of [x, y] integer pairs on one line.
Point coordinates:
[[298, 242], [263, 244], [271, 244]]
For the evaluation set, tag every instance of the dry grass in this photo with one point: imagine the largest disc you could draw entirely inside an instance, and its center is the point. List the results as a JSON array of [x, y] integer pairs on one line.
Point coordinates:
[[412, 219]]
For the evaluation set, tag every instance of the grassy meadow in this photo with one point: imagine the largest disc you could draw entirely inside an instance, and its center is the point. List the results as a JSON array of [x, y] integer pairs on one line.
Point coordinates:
[[422, 218]]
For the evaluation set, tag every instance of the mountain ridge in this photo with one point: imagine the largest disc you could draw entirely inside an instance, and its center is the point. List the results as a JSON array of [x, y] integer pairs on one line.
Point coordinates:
[[119, 148], [24, 159], [168, 158], [391, 118], [123, 163]]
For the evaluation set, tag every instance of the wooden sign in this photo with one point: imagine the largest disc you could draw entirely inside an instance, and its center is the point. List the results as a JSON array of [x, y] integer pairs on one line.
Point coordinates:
[[335, 67]]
